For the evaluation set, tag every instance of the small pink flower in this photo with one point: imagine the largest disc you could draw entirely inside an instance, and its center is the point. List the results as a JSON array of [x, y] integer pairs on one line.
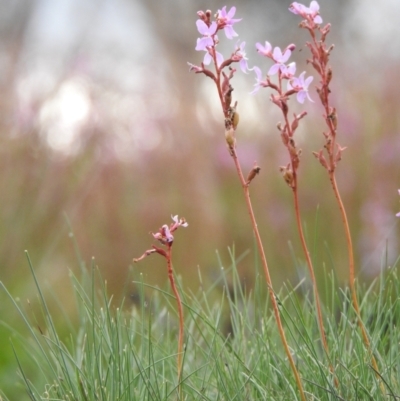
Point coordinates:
[[226, 21], [208, 58], [207, 32], [289, 71], [164, 235], [311, 12], [300, 85], [280, 60], [298, 9], [240, 55], [179, 222], [264, 50], [259, 80]]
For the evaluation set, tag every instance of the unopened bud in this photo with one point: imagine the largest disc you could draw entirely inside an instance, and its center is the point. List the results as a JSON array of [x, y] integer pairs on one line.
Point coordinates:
[[290, 47], [201, 15], [328, 75], [325, 30], [254, 171]]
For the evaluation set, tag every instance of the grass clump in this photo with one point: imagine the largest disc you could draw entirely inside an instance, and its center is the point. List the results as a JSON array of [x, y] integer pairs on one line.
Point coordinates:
[[232, 349]]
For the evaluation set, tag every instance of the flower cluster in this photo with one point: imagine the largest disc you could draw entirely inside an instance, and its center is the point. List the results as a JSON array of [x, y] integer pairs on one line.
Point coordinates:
[[164, 234], [209, 40], [285, 72], [165, 237]]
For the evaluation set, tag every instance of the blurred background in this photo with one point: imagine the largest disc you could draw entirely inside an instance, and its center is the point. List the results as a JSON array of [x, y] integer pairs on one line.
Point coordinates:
[[101, 121]]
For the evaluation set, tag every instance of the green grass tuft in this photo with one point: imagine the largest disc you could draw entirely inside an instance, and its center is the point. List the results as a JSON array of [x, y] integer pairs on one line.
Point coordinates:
[[232, 348]]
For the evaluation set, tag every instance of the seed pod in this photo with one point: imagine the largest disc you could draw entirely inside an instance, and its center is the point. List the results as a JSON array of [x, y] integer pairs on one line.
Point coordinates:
[[235, 119], [253, 172]]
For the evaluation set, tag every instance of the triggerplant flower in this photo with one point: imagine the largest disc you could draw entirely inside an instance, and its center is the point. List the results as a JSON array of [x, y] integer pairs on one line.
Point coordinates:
[[307, 12], [207, 32], [240, 55], [289, 71], [264, 50], [259, 80], [207, 42], [280, 60], [226, 21], [300, 85]]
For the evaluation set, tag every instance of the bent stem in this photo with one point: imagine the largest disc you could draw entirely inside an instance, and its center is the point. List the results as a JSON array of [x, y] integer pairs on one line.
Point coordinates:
[[245, 186], [180, 313]]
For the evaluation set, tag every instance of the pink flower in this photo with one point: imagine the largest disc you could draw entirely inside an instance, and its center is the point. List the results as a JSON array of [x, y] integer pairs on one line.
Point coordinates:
[[240, 55], [290, 70], [207, 42], [300, 85], [208, 58], [207, 32], [311, 12], [164, 235], [178, 222], [259, 80], [264, 50], [280, 60], [226, 21]]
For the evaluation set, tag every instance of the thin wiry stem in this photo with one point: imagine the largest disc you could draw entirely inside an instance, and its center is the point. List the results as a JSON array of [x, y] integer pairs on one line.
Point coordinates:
[[320, 58], [274, 302], [352, 281], [224, 90], [294, 155], [180, 313], [313, 280]]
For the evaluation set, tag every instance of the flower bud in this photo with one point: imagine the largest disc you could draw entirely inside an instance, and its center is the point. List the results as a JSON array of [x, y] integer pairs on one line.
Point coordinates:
[[329, 75], [254, 171]]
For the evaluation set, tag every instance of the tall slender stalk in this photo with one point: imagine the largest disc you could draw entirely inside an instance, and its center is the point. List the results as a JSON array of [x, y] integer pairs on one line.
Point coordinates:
[[180, 311], [209, 41], [245, 186], [320, 57]]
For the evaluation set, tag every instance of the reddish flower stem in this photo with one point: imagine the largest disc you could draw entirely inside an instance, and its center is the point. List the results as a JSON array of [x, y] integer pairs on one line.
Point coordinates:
[[274, 302], [294, 161], [245, 186], [180, 311], [352, 280], [320, 60]]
